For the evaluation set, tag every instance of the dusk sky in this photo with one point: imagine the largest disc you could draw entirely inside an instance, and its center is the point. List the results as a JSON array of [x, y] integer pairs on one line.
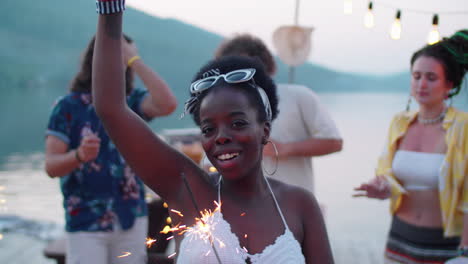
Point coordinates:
[[339, 41]]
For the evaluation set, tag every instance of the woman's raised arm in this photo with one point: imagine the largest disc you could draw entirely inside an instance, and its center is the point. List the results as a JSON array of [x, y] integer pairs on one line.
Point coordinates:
[[158, 164]]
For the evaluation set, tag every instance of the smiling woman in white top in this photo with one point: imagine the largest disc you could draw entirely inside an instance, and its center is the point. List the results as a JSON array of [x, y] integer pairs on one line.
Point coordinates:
[[253, 219]]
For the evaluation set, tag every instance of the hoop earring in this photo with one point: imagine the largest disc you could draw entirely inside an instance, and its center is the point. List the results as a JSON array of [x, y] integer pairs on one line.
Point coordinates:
[[276, 159], [408, 104]]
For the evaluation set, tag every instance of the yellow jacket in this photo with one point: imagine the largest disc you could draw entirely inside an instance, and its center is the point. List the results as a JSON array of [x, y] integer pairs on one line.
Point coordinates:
[[453, 180]]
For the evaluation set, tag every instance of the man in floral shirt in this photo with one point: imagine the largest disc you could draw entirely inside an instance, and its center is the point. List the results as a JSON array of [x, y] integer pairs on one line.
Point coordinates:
[[104, 203]]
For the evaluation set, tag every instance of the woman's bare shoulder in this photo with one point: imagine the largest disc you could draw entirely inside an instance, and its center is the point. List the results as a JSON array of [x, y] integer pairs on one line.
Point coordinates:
[[294, 195]]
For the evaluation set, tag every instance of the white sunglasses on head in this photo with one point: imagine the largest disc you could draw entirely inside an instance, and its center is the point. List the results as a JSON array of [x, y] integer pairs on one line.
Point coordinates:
[[236, 76]]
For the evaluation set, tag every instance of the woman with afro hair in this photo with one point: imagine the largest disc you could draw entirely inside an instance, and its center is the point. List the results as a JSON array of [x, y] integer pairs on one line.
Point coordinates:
[[253, 219]]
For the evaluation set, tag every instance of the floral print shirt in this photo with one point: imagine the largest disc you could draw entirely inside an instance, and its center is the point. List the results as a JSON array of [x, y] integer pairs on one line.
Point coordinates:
[[101, 193]]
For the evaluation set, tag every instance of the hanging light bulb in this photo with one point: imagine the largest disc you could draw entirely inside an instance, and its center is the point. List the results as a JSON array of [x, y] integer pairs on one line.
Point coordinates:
[[369, 17], [395, 32], [348, 7], [434, 35]]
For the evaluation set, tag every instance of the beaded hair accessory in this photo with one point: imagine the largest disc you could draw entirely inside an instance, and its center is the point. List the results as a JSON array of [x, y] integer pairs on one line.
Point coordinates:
[[107, 7]]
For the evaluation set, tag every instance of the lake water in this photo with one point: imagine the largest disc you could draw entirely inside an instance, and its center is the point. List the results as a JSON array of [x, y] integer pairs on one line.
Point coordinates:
[[357, 227]]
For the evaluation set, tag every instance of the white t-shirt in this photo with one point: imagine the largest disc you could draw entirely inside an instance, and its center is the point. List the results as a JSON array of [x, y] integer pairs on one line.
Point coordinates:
[[301, 116]]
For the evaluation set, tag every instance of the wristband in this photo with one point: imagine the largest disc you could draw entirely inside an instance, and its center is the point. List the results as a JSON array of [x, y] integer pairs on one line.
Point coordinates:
[[77, 157], [132, 60], [106, 7]]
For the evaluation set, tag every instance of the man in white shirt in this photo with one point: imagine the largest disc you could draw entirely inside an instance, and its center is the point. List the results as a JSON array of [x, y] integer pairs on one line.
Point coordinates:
[[303, 128]]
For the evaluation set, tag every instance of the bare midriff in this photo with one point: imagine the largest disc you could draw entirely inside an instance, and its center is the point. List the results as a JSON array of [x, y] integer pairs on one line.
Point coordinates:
[[421, 208]]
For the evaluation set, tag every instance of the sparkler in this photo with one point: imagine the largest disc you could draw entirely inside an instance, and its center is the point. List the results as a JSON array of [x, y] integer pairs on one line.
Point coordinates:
[[203, 217]]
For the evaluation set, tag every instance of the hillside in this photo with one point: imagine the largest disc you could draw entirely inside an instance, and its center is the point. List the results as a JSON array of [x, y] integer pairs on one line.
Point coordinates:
[[40, 47], [41, 42]]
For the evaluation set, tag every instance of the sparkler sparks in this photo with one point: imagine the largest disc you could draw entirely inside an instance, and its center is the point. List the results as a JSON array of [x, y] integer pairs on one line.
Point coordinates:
[[204, 225], [177, 212], [203, 229], [150, 242], [125, 254], [172, 255], [165, 230]]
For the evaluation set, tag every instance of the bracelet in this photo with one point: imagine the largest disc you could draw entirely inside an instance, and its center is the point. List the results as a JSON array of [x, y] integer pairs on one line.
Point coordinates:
[[106, 7], [77, 157], [132, 60]]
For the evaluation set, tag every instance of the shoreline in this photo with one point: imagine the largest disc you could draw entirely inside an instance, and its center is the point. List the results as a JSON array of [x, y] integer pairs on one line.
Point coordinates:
[[33, 228]]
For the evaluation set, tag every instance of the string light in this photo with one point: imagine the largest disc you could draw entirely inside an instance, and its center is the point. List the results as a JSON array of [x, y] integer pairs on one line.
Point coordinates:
[[395, 32], [434, 35], [348, 7], [369, 17]]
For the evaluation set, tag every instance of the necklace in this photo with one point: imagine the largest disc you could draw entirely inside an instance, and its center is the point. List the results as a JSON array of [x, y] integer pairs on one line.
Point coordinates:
[[431, 121]]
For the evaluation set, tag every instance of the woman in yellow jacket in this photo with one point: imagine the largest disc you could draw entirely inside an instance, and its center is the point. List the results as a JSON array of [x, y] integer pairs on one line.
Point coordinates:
[[424, 168]]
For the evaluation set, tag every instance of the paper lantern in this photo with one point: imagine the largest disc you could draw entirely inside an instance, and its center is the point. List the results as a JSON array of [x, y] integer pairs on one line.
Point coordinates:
[[292, 44]]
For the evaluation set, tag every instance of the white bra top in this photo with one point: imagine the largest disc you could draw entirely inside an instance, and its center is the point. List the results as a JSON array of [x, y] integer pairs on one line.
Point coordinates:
[[417, 170], [285, 250]]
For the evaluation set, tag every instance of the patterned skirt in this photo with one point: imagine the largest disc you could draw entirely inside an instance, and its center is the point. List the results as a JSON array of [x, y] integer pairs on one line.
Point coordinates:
[[409, 244]]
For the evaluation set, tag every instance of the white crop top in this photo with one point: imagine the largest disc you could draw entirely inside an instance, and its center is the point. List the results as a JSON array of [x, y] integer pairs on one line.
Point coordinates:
[[285, 250], [417, 170]]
